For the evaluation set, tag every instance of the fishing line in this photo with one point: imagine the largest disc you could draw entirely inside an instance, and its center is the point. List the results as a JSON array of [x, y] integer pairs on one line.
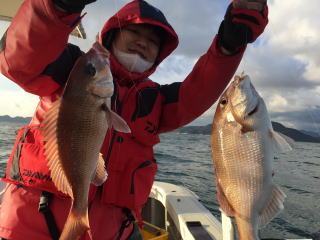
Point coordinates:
[[117, 14], [134, 87], [4, 190], [245, 54], [313, 118], [115, 8], [112, 134], [245, 60]]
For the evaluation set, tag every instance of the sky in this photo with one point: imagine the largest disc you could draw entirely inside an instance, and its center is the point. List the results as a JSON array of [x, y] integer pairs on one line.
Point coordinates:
[[283, 64]]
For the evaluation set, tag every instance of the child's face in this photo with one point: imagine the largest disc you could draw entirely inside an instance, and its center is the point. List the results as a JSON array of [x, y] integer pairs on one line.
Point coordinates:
[[141, 39]]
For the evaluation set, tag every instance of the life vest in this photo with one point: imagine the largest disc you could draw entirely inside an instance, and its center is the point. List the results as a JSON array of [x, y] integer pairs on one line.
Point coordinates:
[[129, 158], [27, 164], [148, 108]]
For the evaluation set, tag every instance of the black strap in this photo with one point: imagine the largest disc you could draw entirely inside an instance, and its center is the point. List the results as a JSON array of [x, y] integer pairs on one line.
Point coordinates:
[[15, 173], [126, 223], [3, 44], [45, 209]]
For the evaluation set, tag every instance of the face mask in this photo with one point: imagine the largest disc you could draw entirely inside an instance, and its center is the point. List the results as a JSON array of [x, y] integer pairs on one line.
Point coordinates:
[[132, 61]]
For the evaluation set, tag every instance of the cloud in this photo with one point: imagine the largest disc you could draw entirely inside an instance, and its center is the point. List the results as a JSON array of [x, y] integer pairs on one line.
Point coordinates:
[[195, 23], [294, 32], [13, 100], [16, 102], [174, 69], [307, 119], [283, 64]]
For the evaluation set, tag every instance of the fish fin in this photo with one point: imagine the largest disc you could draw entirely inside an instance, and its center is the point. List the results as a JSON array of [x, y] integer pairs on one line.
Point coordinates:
[[52, 151], [117, 122], [289, 140], [274, 206], [75, 226], [224, 203], [280, 143], [101, 174]]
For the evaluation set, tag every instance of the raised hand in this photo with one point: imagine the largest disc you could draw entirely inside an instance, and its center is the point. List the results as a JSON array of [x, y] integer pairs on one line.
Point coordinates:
[[249, 4], [242, 24]]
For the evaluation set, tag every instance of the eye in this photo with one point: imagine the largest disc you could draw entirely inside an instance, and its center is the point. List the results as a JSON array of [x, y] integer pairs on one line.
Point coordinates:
[[90, 69], [223, 101], [154, 41], [132, 30], [253, 111]]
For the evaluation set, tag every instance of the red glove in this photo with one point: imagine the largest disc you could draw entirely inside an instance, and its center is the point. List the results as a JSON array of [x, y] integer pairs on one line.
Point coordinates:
[[241, 26]]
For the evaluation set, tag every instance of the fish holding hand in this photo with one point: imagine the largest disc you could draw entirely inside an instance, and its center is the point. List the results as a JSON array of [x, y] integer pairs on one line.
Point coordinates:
[[243, 148], [257, 5], [74, 129]]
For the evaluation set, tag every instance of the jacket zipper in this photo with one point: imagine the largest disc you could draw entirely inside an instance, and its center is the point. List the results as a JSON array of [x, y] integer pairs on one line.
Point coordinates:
[[110, 148], [139, 104], [117, 109], [142, 165]]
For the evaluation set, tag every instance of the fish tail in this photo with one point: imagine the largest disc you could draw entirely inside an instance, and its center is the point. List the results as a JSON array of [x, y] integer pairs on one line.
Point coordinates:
[[75, 226], [246, 230], [273, 207]]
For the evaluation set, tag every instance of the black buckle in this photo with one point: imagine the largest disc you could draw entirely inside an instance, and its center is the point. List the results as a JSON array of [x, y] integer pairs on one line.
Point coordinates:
[[44, 202]]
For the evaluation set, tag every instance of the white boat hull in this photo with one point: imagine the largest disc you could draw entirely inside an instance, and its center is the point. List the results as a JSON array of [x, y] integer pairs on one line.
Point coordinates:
[[176, 209], [182, 207]]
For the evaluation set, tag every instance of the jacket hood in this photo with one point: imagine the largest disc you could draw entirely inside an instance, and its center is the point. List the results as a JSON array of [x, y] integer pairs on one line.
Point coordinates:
[[138, 12]]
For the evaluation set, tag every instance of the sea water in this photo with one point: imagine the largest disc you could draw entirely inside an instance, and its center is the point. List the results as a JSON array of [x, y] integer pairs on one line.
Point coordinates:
[[185, 159]]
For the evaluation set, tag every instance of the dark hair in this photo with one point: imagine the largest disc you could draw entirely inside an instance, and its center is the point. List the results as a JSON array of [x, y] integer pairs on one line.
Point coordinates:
[[109, 36]]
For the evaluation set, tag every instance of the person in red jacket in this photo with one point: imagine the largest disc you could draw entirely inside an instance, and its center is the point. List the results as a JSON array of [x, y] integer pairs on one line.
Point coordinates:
[[34, 53]]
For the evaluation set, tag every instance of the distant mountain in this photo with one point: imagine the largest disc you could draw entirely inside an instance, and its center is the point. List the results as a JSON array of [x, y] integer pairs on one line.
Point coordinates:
[[296, 135], [313, 134], [7, 118], [204, 130]]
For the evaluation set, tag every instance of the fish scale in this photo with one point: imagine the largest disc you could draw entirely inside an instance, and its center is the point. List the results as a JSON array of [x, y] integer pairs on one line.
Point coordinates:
[[74, 129], [243, 150], [237, 157]]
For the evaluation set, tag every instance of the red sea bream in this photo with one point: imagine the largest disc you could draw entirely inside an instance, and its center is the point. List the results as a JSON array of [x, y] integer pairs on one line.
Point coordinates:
[[243, 148], [74, 130]]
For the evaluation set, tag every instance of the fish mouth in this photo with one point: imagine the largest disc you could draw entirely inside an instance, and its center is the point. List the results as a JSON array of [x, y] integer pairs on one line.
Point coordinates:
[[104, 84], [102, 89], [100, 49], [101, 52], [247, 96], [254, 110]]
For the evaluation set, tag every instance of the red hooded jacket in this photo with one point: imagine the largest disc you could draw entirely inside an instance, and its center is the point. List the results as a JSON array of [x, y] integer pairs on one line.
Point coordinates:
[[36, 56]]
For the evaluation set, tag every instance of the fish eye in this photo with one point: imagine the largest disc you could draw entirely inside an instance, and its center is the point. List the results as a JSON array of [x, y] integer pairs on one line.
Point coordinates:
[[223, 101], [90, 69]]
